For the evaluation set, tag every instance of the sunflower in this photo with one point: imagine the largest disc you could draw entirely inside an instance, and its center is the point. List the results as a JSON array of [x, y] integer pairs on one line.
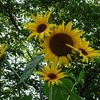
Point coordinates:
[[2, 50], [55, 46], [84, 50], [51, 75], [40, 27]]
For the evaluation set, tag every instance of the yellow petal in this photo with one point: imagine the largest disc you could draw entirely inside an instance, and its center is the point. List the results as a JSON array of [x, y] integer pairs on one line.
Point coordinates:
[[68, 27], [30, 36]]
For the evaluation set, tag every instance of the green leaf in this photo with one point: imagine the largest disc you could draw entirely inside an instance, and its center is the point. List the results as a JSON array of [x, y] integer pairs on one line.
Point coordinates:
[[62, 92], [46, 89], [30, 66], [67, 83], [97, 60], [81, 75], [72, 76]]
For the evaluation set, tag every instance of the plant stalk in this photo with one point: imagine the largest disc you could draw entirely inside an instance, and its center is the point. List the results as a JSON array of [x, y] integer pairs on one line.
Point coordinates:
[[50, 93], [71, 90]]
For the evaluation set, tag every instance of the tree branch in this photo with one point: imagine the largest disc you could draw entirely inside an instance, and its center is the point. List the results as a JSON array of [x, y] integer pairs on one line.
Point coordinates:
[[10, 16], [88, 81]]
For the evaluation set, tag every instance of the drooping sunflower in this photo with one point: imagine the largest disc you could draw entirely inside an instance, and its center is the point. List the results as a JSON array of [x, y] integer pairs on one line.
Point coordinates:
[[84, 50], [40, 27], [55, 46], [2, 50], [51, 75]]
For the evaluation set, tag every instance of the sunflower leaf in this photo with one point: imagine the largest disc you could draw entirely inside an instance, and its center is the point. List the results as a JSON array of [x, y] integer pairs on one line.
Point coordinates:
[[29, 67], [67, 83], [72, 76], [63, 92], [46, 89], [81, 75]]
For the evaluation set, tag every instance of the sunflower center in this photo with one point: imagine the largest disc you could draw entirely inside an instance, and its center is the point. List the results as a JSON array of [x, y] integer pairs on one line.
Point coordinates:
[[52, 76], [58, 44], [83, 52], [41, 28]]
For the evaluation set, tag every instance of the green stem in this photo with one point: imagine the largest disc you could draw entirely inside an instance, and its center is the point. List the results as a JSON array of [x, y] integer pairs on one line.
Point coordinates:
[[71, 90], [50, 92]]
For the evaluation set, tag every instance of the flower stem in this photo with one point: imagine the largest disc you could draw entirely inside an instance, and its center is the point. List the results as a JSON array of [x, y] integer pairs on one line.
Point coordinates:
[[40, 90], [71, 90], [50, 92]]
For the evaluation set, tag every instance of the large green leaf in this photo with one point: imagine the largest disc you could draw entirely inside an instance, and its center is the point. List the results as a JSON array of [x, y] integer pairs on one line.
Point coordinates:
[[67, 83], [29, 67], [63, 92], [72, 76], [46, 89]]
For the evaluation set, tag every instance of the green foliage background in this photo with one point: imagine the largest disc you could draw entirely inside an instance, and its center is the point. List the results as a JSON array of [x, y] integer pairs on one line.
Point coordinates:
[[14, 13]]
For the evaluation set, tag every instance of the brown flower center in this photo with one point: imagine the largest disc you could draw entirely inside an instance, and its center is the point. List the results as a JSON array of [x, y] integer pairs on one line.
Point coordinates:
[[41, 28], [58, 44], [83, 51], [52, 76]]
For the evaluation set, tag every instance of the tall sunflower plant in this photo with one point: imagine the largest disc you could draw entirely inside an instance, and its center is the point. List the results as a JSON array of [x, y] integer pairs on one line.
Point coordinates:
[[58, 43]]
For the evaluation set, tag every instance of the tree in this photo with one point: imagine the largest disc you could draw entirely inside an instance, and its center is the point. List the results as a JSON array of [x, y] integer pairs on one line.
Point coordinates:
[[21, 54]]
